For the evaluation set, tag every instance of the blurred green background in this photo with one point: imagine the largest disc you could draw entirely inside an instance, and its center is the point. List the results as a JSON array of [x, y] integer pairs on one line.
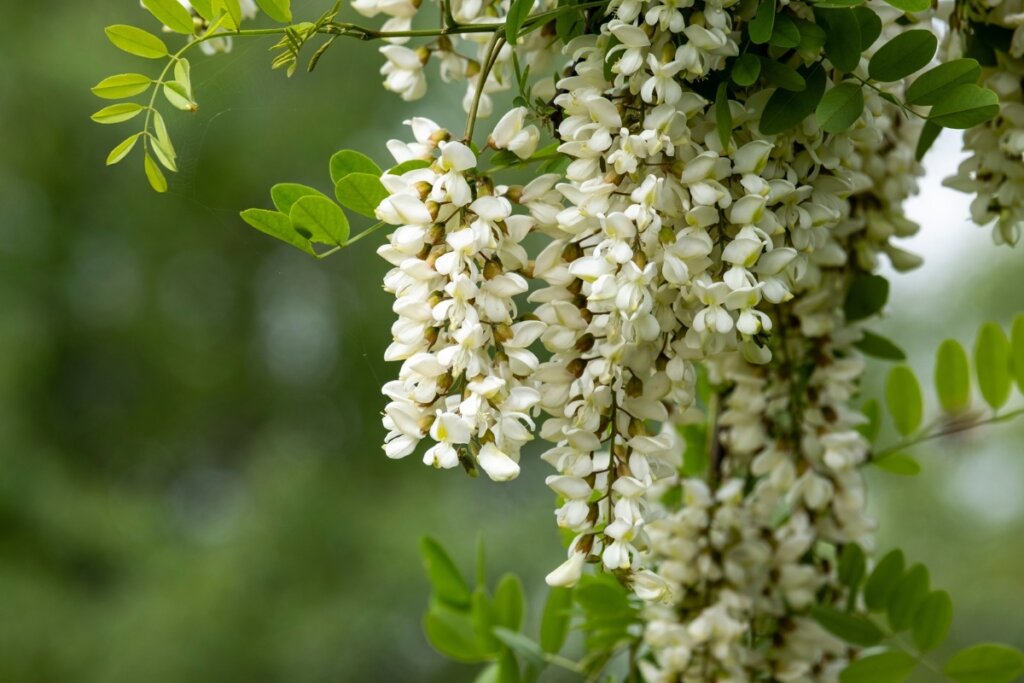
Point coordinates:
[[191, 483]]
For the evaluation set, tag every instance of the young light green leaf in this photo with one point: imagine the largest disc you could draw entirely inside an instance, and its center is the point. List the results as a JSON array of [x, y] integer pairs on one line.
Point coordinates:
[[898, 463], [882, 580], [509, 602], [508, 669], [852, 628], [447, 581], [723, 115], [123, 149], [171, 14], [117, 113], [137, 42], [554, 624], [885, 667], [746, 70], [1017, 350], [286, 194], [992, 363], [964, 106], [843, 40], [350, 161], [985, 663], [361, 192], [122, 85], [231, 9], [877, 346], [872, 410], [763, 23], [484, 618], [178, 97], [154, 175], [204, 8], [952, 377], [932, 621], [903, 55], [911, 5], [452, 634], [930, 86], [277, 224], [907, 596], [278, 10], [903, 399], [840, 107], [164, 151], [517, 14], [183, 76], [867, 296], [786, 109], [870, 26], [320, 219], [521, 645]]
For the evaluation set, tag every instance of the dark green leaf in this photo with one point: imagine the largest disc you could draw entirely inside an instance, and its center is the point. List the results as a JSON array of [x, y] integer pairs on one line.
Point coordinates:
[[929, 87], [903, 399], [985, 663], [932, 621], [361, 192], [406, 166], [350, 161], [447, 582], [554, 624], [884, 667], [852, 566], [840, 107], [782, 76], [911, 5], [992, 363], [903, 55], [812, 36], [509, 602], [786, 109], [842, 37], [451, 634], [785, 34], [852, 628], [484, 618], [137, 42], [171, 14], [517, 14], [929, 133], [723, 116], [763, 23], [898, 463], [276, 224], [1017, 350], [876, 345], [870, 26], [907, 596], [952, 377], [882, 580], [964, 106], [286, 194], [746, 70], [121, 85], [867, 296]]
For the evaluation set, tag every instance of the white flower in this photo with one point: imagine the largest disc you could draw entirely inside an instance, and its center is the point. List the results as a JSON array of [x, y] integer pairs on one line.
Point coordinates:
[[497, 465], [403, 72], [511, 134]]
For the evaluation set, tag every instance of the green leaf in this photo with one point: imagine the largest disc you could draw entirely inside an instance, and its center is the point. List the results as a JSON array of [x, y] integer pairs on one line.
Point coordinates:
[[872, 410], [782, 76], [448, 584], [163, 149], [509, 602], [554, 624], [911, 5], [204, 8], [907, 596], [154, 175], [278, 10], [870, 26], [277, 224], [763, 23], [867, 296], [1017, 350], [171, 14], [484, 618], [852, 628], [929, 134], [785, 33], [123, 149], [508, 668], [898, 463], [930, 86], [746, 70], [985, 663], [406, 166], [843, 40], [481, 560], [840, 107], [286, 194], [350, 161], [852, 566], [521, 645], [952, 377], [117, 113], [786, 109], [517, 14], [812, 36], [932, 621], [903, 399], [232, 9], [903, 55], [122, 85], [137, 42], [992, 363], [964, 106], [178, 97], [876, 345], [723, 115], [183, 75], [884, 667], [882, 580], [491, 674], [695, 456], [361, 192], [451, 634]]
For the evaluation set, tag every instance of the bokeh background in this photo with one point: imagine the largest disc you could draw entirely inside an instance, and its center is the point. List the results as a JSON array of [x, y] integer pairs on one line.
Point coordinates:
[[191, 483]]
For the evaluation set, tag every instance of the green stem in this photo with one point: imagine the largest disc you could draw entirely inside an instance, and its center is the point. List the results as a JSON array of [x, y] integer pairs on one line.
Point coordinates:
[[369, 231], [901, 105], [955, 429], [485, 69]]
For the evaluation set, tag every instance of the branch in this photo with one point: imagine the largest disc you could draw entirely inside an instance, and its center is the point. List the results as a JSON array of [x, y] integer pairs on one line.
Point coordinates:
[[954, 429]]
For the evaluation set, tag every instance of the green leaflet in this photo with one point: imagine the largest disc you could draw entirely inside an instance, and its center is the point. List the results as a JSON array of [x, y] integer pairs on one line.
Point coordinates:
[[840, 108], [903, 399], [137, 42], [952, 377], [992, 364], [903, 55]]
